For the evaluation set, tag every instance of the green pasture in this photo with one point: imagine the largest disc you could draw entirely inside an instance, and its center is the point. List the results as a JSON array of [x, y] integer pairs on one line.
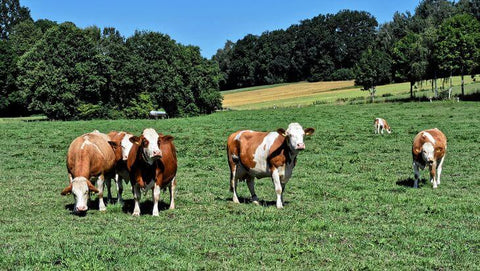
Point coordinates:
[[349, 204]]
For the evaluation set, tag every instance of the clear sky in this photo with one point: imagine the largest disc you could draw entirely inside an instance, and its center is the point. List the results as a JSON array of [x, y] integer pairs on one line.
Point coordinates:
[[207, 24]]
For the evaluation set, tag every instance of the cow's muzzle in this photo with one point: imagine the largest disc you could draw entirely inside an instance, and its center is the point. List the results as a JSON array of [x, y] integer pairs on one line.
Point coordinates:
[[300, 146]]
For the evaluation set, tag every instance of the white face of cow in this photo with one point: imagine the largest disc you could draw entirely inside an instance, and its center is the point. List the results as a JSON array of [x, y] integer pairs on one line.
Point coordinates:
[[151, 151], [295, 134], [427, 152], [126, 146], [80, 193]]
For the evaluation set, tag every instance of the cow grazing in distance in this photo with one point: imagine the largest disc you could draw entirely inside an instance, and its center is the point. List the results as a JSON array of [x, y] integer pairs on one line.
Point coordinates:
[[381, 125], [152, 163], [429, 147], [121, 171], [90, 156], [264, 154]]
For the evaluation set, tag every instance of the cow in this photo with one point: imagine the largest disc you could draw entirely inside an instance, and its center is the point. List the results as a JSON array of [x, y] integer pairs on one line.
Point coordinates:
[[90, 156], [429, 147], [121, 172], [380, 125], [254, 154], [152, 163]]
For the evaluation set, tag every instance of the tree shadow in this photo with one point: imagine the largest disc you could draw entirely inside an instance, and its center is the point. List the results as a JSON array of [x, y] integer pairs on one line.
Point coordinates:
[[473, 97], [410, 181], [146, 207], [244, 200]]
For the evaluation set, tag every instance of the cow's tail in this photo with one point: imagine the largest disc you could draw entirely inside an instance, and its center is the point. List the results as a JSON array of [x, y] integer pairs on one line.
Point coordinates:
[[233, 160]]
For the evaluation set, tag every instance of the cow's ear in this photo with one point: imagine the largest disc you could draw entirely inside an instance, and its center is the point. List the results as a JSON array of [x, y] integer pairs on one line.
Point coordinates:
[[92, 187], [309, 131], [282, 132], [439, 149], [135, 140], [167, 138], [416, 151], [67, 190], [113, 144]]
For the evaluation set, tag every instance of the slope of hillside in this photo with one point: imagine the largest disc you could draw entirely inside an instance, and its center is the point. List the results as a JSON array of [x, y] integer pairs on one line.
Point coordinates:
[[304, 93]]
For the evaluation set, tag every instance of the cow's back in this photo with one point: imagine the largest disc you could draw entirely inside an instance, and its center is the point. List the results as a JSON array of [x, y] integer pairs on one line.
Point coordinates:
[[90, 155]]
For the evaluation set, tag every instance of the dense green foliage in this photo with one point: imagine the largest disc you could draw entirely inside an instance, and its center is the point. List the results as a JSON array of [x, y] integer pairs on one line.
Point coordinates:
[[70, 73], [349, 204], [312, 50], [422, 46]]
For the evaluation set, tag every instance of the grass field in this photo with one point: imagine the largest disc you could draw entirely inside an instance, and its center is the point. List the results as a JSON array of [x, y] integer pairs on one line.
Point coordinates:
[[304, 93], [349, 204]]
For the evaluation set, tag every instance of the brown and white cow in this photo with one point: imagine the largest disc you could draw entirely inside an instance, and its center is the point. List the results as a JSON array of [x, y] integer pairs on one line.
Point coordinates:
[[90, 156], [381, 125], [121, 171], [264, 154], [152, 163], [429, 147]]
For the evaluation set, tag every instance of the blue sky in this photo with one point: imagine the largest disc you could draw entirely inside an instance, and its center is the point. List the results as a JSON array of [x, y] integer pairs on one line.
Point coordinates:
[[207, 24]]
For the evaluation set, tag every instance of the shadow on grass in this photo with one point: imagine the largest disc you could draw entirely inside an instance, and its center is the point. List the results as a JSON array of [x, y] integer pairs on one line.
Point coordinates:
[[248, 200], [146, 207], [473, 97], [409, 182]]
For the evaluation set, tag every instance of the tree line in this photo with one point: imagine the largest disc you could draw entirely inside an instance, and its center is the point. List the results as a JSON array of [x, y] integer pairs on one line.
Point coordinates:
[[440, 39], [68, 73]]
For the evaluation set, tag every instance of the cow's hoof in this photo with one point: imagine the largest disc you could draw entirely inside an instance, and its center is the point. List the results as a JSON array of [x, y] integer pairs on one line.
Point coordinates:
[[136, 214], [256, 202], [154, 214], [280, 207], [235, 200], [102, 209]]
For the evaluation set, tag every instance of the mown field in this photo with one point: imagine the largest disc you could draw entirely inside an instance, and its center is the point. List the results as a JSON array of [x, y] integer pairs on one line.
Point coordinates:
[[349, 204], [339, 92]]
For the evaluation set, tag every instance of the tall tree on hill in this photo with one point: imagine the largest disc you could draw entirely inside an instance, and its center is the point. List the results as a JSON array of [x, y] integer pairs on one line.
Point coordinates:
[[11, 13], [353, 32], [373, 69], [471, 7], [458, 46], [410, 59]]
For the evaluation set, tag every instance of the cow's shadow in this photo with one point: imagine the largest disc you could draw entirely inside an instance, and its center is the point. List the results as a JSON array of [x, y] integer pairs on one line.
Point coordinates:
[[244, 200], [92, 205], [146, 207], [410, 181]]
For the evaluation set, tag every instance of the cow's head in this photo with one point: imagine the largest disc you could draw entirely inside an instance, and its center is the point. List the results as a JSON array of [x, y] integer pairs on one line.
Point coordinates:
[[80, 188], [294, 135], [428, 153], [149, 142], [388, 129]]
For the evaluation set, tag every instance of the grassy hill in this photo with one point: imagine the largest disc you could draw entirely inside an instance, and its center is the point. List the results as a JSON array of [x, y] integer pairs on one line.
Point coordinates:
[[349, 204], [304, 93]]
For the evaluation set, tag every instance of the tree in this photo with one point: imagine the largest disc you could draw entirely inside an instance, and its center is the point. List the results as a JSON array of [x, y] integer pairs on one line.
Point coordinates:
[[410, 59], [458, 46], [60, 74], [11, 13], [373, 69]]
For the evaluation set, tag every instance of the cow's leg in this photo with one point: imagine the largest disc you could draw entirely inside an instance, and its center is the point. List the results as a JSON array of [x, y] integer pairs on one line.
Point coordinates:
[[136, 197], [101, 204], [433, 173], [416, 173], [171, 189], [278, 187], [108, 183], [283, 189], [233, 182], [251, 187], [118, 182], [156, 198], [439, 169]]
